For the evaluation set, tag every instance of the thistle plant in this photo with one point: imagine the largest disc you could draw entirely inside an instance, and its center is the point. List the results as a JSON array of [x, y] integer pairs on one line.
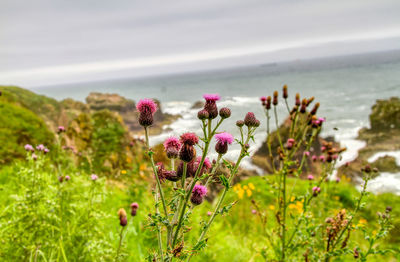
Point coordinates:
[[183, 184], [289, 155]]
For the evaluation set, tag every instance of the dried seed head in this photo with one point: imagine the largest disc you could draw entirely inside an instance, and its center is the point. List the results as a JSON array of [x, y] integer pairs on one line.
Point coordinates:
[[303, 107], [315, 109], [297, 102], [275, 99], [268, 103], [285, 92]]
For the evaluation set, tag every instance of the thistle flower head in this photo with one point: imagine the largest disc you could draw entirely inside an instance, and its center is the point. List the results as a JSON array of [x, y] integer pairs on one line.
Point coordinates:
[[206, 163], [40, 147], [146, 105], [61, 129], [316, 190], [224, 138], [209, 213], [29, 147], [307, 153], [199, 190], [310, 177], [134, 208], [198, 194], [189, 139], [210, 105], [211, 97], [263, 99], [67, 178], [146, 108], [123, 221], [275, 98], [94, 177], [172, 145]]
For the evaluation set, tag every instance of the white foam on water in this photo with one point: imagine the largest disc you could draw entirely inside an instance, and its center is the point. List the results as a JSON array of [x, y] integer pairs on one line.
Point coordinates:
[[385, 183], [395, 154]]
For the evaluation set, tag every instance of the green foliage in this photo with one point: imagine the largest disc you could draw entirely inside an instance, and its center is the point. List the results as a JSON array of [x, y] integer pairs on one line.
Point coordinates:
[[19, 126]]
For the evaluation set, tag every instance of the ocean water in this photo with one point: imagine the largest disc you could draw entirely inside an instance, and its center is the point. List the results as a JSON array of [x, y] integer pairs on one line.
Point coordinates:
[[346, 87]]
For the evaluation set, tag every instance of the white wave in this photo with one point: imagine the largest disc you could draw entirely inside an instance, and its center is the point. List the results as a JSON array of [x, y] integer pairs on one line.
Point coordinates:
[[239, 101], [395, 154], [176, 107], [385, 183]]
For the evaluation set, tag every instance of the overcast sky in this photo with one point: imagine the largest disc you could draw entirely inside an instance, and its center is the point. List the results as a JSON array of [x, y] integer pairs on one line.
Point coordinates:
[[44, 42]]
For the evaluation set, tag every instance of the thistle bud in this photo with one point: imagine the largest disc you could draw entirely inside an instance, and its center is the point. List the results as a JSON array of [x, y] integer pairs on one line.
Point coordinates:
[[388, 209], [367, 169], [203, 114], [356, 253], [250, 120], [224, 112], [240, 123], [285, 92], [275, 99]]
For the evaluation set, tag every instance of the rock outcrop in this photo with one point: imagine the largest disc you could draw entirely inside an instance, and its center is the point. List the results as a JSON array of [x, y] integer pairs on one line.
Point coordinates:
[[382, 136]]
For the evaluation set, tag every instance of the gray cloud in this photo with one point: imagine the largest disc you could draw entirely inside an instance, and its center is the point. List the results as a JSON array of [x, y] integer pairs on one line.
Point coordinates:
[[35, 35]]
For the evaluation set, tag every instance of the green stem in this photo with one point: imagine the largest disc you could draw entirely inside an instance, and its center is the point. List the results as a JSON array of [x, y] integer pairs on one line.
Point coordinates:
[[120, 243]]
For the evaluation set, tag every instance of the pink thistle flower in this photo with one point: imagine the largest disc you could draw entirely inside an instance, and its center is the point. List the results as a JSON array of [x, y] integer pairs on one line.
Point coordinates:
[[172, 145], [323, 148], [189, 139], [211, 97], [314, 158], [94, 177], [200, 190], [67, 178], [29, 147], [263, 99], [198, 194], [46, 150], [310, 177], [306, 153], [40, 147], [322, 158], [321, 119], [253, 211], [134, 208], [223, 139], [146, 108], [146, 105], [60, 129], [211, 106], [335, 157], [209, 213], [316, 190], [337, 179]]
